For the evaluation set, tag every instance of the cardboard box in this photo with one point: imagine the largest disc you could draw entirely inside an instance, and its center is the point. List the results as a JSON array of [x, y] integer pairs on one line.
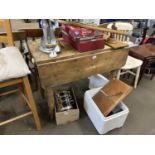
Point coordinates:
[[67, 116]]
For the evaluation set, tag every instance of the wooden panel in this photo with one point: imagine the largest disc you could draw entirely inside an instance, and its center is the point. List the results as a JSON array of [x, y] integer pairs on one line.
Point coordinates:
[[111, 95], [17, 35], [67, 52], [106, 62], [61, 72], [33, 33], [117, 45], [68, 70]]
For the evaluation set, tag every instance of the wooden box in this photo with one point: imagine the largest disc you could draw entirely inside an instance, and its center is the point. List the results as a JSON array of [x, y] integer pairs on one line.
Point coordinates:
[[111, 95], [67, 116]]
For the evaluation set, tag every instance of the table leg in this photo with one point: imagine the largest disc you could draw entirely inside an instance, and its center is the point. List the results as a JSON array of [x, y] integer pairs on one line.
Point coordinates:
[[51, 103]]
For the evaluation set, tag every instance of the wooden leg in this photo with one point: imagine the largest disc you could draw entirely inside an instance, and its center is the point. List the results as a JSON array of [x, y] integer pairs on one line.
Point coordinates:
[[21, 91], [141, 74], [32, 102], [42, 91], [137, 77], [142, 70], [118, 74], [153, 74], [113, 74], [51, 103]]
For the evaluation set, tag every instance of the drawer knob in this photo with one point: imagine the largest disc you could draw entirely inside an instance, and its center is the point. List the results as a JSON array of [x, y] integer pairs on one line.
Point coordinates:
[[94, 57]]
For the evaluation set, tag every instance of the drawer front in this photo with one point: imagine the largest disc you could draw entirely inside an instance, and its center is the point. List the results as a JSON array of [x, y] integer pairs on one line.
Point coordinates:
[[69, 70]]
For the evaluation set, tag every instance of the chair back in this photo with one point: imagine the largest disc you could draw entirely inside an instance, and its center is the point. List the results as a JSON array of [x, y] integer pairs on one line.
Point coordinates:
[[124, 27], [8, 38], [33, 33]]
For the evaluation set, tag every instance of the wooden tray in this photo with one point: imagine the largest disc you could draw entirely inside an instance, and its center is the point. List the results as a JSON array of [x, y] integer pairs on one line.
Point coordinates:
[[116, 45]]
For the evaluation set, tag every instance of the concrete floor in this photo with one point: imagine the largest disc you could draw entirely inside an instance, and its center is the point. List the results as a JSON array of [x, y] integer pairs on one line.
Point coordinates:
[[141, 103]]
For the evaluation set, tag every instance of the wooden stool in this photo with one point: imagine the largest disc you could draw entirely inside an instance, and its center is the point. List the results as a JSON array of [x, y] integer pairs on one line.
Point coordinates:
[[21, 82], [131, 63]]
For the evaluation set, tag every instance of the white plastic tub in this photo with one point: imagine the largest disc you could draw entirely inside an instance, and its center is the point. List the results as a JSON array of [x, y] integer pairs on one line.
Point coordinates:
[[97, 81], [101, 123]]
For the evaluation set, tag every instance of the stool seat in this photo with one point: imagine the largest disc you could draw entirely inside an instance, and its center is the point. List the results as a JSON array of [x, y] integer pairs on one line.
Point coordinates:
[[12, 64], [132, 63]]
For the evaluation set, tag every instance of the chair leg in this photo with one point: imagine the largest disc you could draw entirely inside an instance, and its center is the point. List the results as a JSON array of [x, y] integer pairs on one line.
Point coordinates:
[[118, 74], [31, 102], [113, 74], [153, 75], [137, 77]]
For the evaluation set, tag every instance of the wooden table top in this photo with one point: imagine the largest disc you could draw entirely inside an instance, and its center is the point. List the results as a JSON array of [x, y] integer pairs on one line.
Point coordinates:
[[143, 51], [66, 52]]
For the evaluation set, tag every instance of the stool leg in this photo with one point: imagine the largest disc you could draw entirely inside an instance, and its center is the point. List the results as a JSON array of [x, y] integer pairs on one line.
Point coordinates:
[[32, 102], [137, 77], [21, 91], [113, 74], [118, 74]]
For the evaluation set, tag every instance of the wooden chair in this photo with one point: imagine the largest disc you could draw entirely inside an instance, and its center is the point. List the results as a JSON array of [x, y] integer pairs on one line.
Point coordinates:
[[22, 82], [124, 27], [33, 34], [131, 63], [21, 37], [18, 36], [146, 67]]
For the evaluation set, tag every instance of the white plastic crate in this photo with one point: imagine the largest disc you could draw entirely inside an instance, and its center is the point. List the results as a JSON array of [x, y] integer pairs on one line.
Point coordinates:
[[101, 123], [97, 81]]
